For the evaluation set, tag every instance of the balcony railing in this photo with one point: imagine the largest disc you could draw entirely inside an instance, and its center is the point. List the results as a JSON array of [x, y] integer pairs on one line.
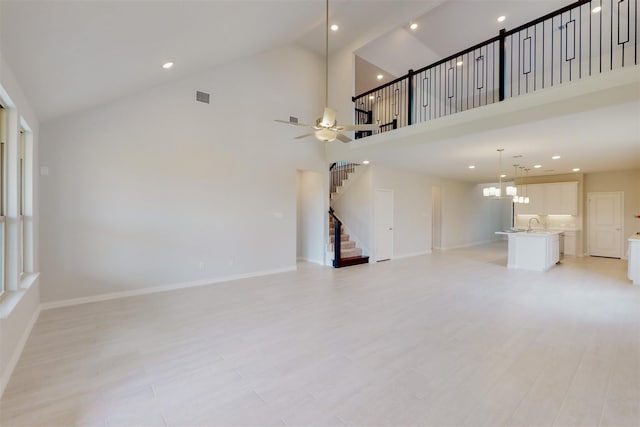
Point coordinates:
[[568, 44]]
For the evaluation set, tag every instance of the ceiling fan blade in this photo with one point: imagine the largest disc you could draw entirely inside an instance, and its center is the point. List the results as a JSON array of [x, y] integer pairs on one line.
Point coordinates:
[[329, 117], [304, 136], [360, 127], [343, 138], [295, 124]]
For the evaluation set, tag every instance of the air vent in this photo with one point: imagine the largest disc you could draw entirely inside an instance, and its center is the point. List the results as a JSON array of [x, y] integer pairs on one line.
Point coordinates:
[[202, 97], [293, 119]]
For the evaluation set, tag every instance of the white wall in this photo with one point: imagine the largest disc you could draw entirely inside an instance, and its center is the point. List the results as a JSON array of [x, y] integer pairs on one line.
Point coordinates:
[[311, 216], [626, 181], [157, 189], [468, 218], [411, 210], [19, 308]]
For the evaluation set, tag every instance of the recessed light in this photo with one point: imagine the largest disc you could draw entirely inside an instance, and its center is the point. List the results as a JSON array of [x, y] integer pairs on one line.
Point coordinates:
[[459, 63], [472, 167], [537, 166], [501, 18], [371, 97], [503, 176], [413, 26], [555, 157], [365, 162], [334, 27], [596, 9], [380, 77], [167, 65], [576, 169]]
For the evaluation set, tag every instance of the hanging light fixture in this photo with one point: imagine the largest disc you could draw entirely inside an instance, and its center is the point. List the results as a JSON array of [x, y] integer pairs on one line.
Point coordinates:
[[496, 192], [521, 199], [515, 184], [512, 190], [526, 197]]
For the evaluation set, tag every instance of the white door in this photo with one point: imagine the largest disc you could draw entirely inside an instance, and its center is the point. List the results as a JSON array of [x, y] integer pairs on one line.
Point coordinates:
[[605, 224], [383, 214]]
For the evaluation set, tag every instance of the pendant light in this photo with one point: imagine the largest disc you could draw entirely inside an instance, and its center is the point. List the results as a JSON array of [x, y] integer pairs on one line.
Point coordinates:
[[515, 184], [496, 192], [526, 197], [512, 190]]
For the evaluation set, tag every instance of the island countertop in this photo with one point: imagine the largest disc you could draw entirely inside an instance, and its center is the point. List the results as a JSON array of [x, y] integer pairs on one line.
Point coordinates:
[[533, 250], [532, 233]]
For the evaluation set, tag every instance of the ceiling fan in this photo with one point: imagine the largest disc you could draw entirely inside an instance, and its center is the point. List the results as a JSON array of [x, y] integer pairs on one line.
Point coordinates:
[[326, 128]]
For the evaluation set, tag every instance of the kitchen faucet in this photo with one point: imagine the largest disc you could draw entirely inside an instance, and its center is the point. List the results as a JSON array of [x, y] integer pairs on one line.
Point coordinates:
[[530, 220]]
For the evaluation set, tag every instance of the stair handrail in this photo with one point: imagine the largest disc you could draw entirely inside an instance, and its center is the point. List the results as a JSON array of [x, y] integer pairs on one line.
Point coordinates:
[[337, 231], [339, 171]]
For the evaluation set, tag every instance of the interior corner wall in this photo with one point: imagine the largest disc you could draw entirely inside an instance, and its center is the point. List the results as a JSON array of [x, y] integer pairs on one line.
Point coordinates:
[[468, 218], [160, 190], [311, 216], [626, 181]]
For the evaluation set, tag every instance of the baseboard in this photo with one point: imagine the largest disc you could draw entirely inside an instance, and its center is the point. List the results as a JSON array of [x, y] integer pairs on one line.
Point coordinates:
[[6, 375], [469, 245], [313, 261], [156, 289], [411, 255]]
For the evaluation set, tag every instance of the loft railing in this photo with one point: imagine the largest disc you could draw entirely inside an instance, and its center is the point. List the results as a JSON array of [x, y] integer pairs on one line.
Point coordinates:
[[562, 46], [339, 172]]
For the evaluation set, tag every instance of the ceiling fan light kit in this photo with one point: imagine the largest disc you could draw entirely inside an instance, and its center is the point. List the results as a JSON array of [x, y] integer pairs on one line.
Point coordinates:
[[326, 128]]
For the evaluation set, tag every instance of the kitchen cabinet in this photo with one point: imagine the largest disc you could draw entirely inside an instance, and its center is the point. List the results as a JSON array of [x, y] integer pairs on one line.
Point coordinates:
[[557, 198], [538, 250], [561, 198], [634, 259], [537, 195], [570, 242]]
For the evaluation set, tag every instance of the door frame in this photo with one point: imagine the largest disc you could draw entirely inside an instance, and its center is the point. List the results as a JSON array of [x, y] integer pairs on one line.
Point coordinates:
[[589, 218]]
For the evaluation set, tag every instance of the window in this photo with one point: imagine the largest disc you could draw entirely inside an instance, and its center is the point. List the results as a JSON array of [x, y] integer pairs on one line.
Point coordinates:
[[21, 201], [3, 144], [25, 201]]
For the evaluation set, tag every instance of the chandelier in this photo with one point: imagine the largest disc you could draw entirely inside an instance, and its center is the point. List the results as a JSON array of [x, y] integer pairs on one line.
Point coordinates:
[[496, 192]]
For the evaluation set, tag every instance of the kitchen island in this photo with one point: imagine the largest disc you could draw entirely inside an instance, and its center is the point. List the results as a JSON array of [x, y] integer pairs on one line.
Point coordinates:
[[533, 250]]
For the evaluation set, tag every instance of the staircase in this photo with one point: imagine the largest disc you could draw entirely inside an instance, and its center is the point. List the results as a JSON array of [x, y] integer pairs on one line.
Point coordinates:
[[348, 253]]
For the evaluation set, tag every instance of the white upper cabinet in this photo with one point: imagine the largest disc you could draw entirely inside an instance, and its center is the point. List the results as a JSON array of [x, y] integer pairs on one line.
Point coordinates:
[[562, 198], [536, 195], [558, 198]]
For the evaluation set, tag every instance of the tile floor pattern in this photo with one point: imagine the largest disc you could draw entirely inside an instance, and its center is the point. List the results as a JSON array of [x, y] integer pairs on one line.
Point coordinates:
[[450, 339]]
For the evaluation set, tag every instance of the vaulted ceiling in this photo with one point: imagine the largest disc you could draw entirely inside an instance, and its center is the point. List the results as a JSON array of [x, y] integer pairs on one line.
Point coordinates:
[[69, 55], [72, 54]]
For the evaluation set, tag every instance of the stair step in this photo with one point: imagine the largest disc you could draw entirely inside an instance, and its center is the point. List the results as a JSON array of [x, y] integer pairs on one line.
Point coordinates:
[[347, 262], [343, 245], [343, 237], [350, 253]]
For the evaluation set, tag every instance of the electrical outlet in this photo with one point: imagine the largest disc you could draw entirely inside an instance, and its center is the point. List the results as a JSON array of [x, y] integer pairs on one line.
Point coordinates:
[[201, 265]]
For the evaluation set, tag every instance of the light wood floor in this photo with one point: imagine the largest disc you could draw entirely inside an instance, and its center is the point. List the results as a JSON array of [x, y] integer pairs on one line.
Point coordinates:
[[451, 338]]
